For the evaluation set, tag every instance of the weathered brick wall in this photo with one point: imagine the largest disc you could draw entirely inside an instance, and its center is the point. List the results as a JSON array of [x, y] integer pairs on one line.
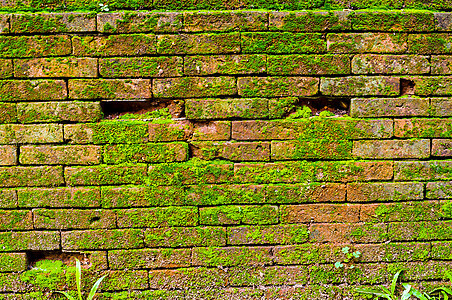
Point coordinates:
[[237, 193]]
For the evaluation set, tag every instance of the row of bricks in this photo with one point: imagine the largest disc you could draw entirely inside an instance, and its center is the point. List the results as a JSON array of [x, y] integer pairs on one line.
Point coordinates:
[[109, 239], [223, 194], [214, 21], [189, 216]]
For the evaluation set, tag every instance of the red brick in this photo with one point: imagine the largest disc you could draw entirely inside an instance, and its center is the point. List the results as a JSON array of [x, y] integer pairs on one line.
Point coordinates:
[[173, 131], [347, 171], [360, 86], [439, 190], [211, 131], [109, 88], [418, 128], [28, 134], [420, 231], [423, 170], [225, 64], [384, 191], [189, 278], [205, 109], [388, 107], [403, 211], [348, 233], [55, 67], [9, 113], [158, 217], [204, 43], [232, 256], [225, 21], [102, 175], [308, 64], [66, 197], [265, 276], [29, 240], [60, 155], [28, 90], [53, 22], [8, 155], [31, 176], [393, 252], [390, 64], [320, 213], [304, 21], [16, 220], [277, 86], [73, 219], [431, 85], [235, 151], [8, 198], [188, 87], [59, 112], [320, 149], [429, 43], [185, 237], [141, 67], [270, 234], [441, 64], [149, 258], [6, 68], [390, 149], [34, 46], [102, 239], [366, 42]]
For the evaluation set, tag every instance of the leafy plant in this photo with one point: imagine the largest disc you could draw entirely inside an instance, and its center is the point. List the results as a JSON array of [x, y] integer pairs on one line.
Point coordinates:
[[350, 256], [441, 292], [78, 280], [390, 294]]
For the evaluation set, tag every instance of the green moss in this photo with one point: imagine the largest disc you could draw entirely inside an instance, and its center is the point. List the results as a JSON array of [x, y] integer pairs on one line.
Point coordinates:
[[284, 42]]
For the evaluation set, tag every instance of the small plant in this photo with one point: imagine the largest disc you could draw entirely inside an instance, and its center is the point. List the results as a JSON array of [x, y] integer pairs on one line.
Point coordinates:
[[78, 280], [441, 292], [104, 7], [390, 294], [301, 113], [350, 256]]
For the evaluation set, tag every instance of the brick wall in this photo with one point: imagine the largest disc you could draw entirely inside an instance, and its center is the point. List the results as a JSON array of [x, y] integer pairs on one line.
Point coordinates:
[[219, 185]]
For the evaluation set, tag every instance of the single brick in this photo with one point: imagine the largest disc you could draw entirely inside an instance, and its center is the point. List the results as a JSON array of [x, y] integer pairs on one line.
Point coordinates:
[[393, 252], [73, 111], [204, 43], [320, 213], [360, 86], [308, 64], [13, 262], [188, 278], [187, 87], [367, 42], [31, 176], [443, 20], [55, 67], [131, 22], [346, 171], [304, 21], [8, 155], [53, 22], [428, 86], [6, 68], [73, 219], [171, 131], [442, 147], [107, 133], [306, 149], [5, 23], [423, 170], [185, 237], [16, 220], [401, 212], [225, 64], [205, 109], [420, 231], [282, 42], [224, 294], [34, 46], [390, 64], [440, 250], [225, 21], [268, 234], [393, 21], [29, 90], [60, 155], [126, 280], [348, 233], [8, 198], [306, 254], [151, 152], [158, 217], [279, 108], [109, 88], [441, 64], [429, 43], [423, 128], [220, 194], [388, 107], [114, 45], [389, 149], [268, 276], [232, 256], [149, 258], [36, 133], [277, 86], [235, 151], [440, 107], [102, 239], [29, 240], [67, 197], [235, 215], [211, 131], [439, 190], [384, 191], [306, 192], [104, 174], [141, 67]]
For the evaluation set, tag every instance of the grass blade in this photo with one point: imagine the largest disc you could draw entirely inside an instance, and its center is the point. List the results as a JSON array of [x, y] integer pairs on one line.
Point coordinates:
[[394, 283], [406, 293], [78, 278], [95, 287], [67, 295]]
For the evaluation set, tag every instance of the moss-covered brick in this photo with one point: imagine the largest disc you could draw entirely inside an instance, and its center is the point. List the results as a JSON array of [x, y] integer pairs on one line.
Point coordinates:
[[151, 152], [34, 46], [102, 239], [389, 107], [439, 190], [307, 254], [204, 43], [107, 132], [11, 282], [211, 131], [126, 280], [423, 128], [53, 23], [4, 24], [288, 172], [440, 107], [194, 171], [268, 276], [8, 155], [29, 240], [393, 252], [186, 278], [367, 42], [60, 155], [235, 215], [420, 231], [149, 258], [224, 294], [320, 213], [114, 45], [394, 21], [188, 87], [348, 233], [384, 191], [140, 21], [73, 218], [441, 147], [277, 86], [220, 194], [348, 171], [225, 21], [109, 88], [141, 196], [16, 220], [237, 4], [315, 149], [158, 217], [268, 234], [55, 67], [13, 262], [234, 151], [168, 132], [149, 294], [309, 21], [308, 64], [225, 64], [390, 149], [390, 64], [423, 170], [431, 43], [9, 113], [282, 42], [185, 237], [66, 197], [440, 250], [37, 133], [232, 256], [141, 67], [304, 192], [360, 86], [365, 4], [44, 112], [105, 174], [431, 86], [401, 212], [8, 198], [28, 90], [205, 109], [31, 176], [6, 68], [441, 64], [311, 129]]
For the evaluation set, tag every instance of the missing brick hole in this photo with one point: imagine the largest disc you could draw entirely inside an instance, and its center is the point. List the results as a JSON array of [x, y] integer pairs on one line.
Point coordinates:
[[95, 219], [68, 258], [406, 87], [339, 106], [142, 109]]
